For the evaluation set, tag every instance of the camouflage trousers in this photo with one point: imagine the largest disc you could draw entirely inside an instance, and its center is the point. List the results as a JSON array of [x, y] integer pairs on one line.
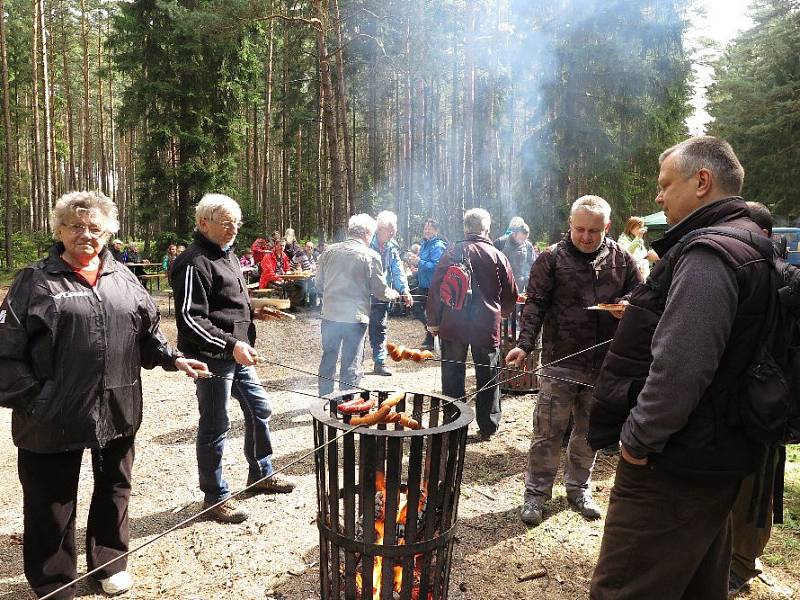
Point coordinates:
[[557, 400]]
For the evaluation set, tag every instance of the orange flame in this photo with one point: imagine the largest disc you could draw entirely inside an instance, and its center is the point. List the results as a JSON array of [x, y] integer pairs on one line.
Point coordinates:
[[380, 524]]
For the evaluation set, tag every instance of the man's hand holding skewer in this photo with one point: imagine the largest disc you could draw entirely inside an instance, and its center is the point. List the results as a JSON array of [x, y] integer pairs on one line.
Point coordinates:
[[193, 368], [245, 354], [516, 357]]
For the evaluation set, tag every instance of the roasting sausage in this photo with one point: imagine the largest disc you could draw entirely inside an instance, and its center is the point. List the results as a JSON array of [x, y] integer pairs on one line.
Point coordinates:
[[372, 418], [358, 405], [408, 422], [393, 400]]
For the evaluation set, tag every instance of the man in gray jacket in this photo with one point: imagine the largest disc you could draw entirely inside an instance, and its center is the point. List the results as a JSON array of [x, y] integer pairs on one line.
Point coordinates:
[[348, 273]]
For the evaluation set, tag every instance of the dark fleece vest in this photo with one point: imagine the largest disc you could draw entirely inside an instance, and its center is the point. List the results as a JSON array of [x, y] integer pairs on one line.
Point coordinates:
[[712, 443]]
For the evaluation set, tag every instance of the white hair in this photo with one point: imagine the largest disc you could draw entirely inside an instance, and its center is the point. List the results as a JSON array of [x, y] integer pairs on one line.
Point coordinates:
[[289, 235], [592, 204], [82, 204], [210, 204], [477, 220], [361, 226], [516, 223], [386, 218]]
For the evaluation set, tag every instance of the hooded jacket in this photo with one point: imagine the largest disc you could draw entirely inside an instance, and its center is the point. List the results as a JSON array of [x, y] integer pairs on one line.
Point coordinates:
[[71, 354]]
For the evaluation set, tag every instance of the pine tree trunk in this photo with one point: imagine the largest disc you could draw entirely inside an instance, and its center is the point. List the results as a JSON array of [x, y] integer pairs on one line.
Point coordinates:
[[266, 179], [321, 200], [114, 182], [8, 161], [100, 112], [469, 105], [37, 184], [87, 177], [70, 180], [339, 216], [298, 171], [255, 177], [349, 163], [46, 172]]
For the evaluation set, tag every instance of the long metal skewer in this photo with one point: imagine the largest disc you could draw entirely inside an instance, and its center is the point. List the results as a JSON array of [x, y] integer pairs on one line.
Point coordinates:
[[285, 467]]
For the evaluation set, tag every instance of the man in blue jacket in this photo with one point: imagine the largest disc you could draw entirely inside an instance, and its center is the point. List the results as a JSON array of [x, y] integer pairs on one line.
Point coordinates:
[[431, 250], [383, 243]]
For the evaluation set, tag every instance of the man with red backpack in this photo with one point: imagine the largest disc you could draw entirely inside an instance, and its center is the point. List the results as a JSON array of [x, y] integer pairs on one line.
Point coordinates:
[[472, 288]]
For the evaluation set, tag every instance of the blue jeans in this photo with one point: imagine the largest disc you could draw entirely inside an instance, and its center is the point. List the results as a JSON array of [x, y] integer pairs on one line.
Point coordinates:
[[378, 322], [212, 397], [350, 337]]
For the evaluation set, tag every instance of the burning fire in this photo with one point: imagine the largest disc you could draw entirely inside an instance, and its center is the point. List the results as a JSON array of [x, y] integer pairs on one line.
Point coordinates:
[[380, 523]]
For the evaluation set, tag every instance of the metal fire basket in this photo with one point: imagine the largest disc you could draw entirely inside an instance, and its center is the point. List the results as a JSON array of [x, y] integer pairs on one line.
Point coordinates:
[[387, 479], [524, 384]]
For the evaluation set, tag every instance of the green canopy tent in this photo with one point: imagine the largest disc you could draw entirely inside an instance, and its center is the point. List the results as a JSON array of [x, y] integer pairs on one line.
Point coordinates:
[[656, 221]]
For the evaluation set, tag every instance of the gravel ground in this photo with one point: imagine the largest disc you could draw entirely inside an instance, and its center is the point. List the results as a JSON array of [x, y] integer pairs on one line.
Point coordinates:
[[275, 554]]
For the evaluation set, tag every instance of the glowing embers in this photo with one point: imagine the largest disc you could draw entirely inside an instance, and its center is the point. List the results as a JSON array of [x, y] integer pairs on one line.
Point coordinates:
[[388, 498], [401, 530]]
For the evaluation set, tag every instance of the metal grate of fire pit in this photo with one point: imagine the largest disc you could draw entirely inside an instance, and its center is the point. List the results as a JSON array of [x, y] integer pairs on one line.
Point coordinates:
[[386, 479]]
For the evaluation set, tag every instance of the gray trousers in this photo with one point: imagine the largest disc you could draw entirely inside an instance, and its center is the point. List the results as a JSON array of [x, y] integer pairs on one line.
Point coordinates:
[[556, 401]]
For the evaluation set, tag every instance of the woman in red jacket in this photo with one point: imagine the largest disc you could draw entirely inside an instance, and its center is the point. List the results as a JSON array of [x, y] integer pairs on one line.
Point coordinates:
[[274, 265]]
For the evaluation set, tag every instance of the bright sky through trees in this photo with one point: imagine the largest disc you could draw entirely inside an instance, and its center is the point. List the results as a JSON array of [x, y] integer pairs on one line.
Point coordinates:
[[722, 20]]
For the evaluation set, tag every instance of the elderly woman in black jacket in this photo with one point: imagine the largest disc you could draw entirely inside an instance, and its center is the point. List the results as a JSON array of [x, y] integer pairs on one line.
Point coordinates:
[[75, 330]]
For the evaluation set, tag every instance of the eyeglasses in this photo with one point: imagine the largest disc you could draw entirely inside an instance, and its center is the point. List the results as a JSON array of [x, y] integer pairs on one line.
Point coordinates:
[[230, 224], [77, 229]]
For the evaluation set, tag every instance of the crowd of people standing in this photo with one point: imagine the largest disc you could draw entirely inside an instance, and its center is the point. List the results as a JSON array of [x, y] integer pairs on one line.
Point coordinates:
[[678, 499]]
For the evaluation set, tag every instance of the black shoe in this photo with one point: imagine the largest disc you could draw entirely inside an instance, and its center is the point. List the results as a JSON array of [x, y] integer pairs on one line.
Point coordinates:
[[532, 512], [736, 584], [381, 370], [428, 343], [612, 450], [586, 505]]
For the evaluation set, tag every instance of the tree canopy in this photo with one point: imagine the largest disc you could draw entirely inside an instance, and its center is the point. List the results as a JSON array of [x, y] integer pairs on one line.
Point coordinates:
[[755, 103]]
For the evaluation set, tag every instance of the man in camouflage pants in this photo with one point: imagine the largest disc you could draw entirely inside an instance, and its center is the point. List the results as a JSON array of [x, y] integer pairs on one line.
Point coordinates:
[[584, 269]]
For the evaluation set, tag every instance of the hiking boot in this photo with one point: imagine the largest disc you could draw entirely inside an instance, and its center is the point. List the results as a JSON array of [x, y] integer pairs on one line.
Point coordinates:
[[736, 584], [531, 513], [586, 506], [272, 485], [381, 370], [118, 583], [227, 512]]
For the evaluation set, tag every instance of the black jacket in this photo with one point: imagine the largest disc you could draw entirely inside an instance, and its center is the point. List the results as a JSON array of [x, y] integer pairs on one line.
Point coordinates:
[[212, 306], [710, 442], [564, 281], [71, 354]]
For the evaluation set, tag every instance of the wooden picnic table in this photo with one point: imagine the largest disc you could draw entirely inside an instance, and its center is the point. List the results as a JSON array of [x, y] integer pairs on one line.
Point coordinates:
[[297, 275], [140, 269]]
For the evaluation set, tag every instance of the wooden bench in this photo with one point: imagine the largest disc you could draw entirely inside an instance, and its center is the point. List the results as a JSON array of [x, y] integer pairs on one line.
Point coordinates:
[[169, 300], [148, 279]]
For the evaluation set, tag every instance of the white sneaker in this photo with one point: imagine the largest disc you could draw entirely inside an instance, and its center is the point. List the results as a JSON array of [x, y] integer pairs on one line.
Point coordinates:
[[117, 583]]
